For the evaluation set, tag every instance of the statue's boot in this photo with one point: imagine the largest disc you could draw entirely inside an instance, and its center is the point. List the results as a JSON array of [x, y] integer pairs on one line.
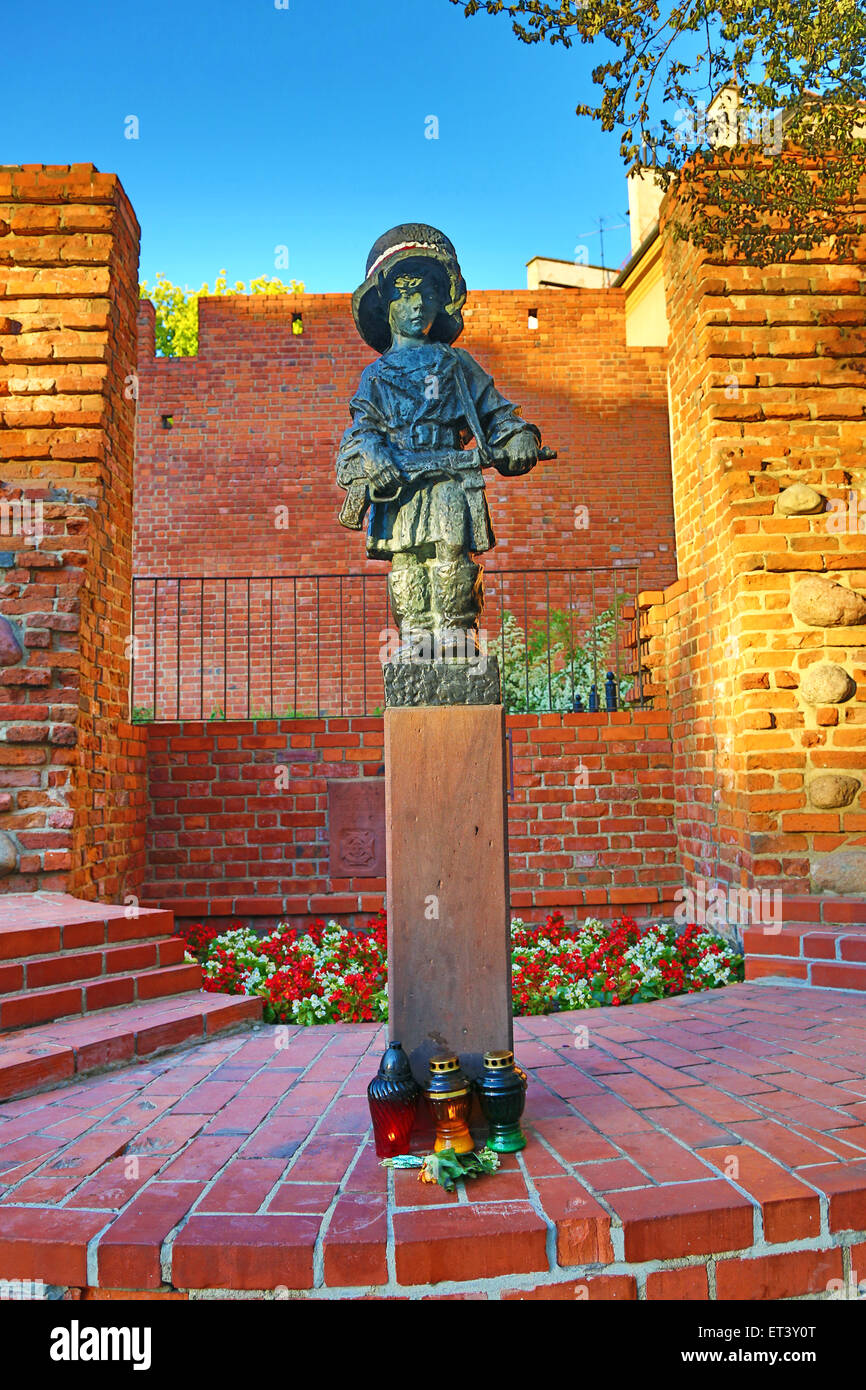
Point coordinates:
[[457, 600], [409, 593]]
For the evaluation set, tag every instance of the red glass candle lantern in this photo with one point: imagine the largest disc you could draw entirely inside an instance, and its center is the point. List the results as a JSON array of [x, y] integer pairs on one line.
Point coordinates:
[[393, 1099]]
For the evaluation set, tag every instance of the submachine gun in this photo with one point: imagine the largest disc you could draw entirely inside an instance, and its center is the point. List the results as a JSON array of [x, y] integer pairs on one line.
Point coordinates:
[[432, 464]]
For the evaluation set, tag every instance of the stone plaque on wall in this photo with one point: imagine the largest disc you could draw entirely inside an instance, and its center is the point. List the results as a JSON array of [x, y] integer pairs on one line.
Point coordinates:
[[356, 827]]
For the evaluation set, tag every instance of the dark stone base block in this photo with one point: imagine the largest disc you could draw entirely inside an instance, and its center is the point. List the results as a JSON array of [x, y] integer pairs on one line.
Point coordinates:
[[464, 681]]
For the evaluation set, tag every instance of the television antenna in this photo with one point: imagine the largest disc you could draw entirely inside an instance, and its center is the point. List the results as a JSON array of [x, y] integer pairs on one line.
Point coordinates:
[[603, 226]]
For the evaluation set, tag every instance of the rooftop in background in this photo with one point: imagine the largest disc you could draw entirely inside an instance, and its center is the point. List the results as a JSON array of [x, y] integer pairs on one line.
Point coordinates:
[[640, 276], [548, 273], [646, 322]]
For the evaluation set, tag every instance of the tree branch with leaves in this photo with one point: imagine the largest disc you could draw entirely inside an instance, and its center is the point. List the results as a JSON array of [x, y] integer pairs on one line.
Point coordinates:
[[798, 68]]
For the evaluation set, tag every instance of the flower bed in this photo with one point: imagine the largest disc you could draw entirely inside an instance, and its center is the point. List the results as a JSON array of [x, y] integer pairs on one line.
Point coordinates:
[[554, 967], [329, 974], [323, 975]]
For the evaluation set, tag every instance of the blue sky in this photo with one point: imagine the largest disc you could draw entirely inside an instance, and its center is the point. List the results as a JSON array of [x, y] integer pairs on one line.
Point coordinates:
[[304, 127]]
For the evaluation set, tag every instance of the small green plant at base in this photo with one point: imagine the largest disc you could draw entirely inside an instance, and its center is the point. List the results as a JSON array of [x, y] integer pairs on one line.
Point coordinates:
[[544, 670], [141, 714]]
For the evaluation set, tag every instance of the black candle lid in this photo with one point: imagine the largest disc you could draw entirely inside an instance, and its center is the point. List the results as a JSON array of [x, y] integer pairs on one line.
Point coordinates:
[[394, 1062]]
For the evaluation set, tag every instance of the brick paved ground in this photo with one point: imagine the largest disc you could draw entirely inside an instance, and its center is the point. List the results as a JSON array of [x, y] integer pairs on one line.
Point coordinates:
[[706, 1146]]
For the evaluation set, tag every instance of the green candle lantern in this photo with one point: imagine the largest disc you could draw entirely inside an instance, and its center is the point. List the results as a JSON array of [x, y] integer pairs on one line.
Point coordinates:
[[502, 1092]]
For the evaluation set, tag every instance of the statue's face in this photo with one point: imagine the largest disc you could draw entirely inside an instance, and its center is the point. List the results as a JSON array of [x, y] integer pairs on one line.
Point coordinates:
[[415, 302]]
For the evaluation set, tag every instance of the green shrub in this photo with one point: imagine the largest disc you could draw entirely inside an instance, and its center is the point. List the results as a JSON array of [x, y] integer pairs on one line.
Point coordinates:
[[534, 681]]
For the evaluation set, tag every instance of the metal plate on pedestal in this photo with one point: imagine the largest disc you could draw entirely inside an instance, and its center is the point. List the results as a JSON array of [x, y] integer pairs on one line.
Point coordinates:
[[356, 828]]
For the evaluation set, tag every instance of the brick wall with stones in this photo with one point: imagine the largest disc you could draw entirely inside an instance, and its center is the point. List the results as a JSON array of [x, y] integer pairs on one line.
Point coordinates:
[[239, 830], [257, 416], [761, 643], [72, 786]]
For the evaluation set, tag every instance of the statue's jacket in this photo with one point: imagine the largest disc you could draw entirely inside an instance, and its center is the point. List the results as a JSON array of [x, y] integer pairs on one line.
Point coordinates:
[[413, 399]]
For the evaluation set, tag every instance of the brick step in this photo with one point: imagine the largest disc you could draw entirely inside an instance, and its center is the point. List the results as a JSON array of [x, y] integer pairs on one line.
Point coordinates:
[[36, 924], [843, 914], [32, 1006], [64, 967], [816, 943], [826, 973], [32, 1059]]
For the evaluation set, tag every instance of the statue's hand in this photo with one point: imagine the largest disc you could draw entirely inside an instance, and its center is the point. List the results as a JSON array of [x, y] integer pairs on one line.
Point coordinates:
[[383, 475], [521, 454]]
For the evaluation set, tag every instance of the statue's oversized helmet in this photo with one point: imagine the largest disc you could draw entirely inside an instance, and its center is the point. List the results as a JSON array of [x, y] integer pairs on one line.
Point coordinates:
[[411, 241]]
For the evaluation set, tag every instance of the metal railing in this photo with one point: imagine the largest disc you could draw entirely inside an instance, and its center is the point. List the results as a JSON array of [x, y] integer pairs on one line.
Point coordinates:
[[262, 646]]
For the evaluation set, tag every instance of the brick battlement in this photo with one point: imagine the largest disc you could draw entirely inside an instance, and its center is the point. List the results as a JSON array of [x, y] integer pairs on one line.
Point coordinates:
[[768, 408]]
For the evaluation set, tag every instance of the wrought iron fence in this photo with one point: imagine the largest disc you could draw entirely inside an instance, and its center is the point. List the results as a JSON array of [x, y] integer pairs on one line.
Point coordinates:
[[252, 646]]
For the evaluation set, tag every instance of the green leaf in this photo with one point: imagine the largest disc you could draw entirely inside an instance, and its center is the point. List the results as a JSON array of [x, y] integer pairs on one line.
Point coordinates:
[[447, 1167]]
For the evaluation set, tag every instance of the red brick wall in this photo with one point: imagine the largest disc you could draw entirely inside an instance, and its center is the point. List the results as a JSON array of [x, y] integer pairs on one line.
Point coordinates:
[[71, 769], [590, 824], [259, 413], [767, 390]]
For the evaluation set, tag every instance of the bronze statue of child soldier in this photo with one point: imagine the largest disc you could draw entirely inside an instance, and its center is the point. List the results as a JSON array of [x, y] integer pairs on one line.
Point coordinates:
[[405, 454]]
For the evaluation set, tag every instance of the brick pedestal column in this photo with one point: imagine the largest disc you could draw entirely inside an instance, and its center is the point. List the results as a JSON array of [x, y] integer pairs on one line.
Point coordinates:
[[73, 792], [763, 639]]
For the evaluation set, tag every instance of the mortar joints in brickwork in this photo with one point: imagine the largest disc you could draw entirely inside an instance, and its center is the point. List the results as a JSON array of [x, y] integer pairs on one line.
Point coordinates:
[[390, 1240], [617, 1235], [91, 1259], [167, 1247], [580, 1275], [535, 1203], [319, 1248]]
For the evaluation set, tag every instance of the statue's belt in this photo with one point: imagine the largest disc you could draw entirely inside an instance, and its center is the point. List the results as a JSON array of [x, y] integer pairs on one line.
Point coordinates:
[[432, 465], [425, 436]]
